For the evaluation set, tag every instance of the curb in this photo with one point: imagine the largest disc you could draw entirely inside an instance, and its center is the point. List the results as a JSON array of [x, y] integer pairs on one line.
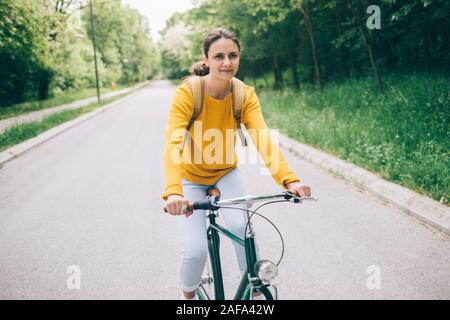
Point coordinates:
[[19, 149], [38, 115], [413, 203]]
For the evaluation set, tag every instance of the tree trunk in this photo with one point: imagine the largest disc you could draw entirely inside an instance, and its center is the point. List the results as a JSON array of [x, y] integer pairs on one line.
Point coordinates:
[[338, 34], [446, 40], [44, 84], [417, 58], [310, 30], [289, 34], [390, 59], [277, 72], [426, 39], [294, 66], [261, 66], [365, 37]]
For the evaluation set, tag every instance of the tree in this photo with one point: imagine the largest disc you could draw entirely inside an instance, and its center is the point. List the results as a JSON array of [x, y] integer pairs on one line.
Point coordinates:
[[176, 53], [365, 36], [304, 8], [122, 35], [24, 49]]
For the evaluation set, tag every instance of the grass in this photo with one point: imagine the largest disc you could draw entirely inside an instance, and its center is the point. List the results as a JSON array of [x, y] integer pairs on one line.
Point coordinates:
[[22, 132], [176, 82], [403, 133], [64, 98]]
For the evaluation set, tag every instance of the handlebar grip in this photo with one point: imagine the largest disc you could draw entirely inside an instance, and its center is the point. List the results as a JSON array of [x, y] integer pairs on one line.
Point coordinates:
[[202, 205], [190, 206], [207, 204]]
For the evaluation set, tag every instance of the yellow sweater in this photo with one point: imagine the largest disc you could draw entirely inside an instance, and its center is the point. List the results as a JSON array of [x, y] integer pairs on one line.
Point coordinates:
[[211, 154]]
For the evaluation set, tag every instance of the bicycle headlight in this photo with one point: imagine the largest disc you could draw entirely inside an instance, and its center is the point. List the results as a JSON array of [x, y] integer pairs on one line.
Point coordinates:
[[266, 270]]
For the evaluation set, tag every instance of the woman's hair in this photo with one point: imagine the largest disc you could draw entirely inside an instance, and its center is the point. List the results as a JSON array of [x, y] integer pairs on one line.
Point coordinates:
[[200, 68]]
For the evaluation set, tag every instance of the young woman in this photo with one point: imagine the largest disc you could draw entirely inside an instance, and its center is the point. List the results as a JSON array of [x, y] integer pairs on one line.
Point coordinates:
[[189, 180]]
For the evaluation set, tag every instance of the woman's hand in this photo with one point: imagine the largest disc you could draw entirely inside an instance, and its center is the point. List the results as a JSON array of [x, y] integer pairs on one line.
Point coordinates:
[[299, 189], [177, 205]]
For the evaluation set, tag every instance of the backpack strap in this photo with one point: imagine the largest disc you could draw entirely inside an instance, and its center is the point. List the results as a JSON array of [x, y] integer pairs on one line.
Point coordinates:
[[197, 88], [238, 89]]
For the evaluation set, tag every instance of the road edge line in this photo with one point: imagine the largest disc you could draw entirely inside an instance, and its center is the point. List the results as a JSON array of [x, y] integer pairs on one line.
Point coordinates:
[[21, 148], [408, 201]]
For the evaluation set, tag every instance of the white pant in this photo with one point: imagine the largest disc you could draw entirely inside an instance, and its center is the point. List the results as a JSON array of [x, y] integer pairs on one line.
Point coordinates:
[[193, 228]]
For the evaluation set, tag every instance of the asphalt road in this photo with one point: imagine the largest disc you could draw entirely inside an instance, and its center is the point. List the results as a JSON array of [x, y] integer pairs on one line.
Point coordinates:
[[81, 218]]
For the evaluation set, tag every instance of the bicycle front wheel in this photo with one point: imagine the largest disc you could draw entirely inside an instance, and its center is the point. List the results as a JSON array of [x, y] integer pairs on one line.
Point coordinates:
[[265, 292], [205, 290]]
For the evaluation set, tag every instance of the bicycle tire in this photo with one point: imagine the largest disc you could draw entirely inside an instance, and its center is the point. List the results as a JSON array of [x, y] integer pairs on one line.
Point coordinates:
[[205, 290], [265, 292]]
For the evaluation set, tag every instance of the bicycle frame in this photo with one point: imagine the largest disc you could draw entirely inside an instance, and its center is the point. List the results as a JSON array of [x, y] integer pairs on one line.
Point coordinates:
[[249, 281]]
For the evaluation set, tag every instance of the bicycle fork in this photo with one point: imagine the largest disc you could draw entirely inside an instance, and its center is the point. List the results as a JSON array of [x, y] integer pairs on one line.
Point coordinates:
[[213, 248]]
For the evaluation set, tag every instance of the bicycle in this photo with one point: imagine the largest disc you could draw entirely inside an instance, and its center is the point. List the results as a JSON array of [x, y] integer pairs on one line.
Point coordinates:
[[260, 274]]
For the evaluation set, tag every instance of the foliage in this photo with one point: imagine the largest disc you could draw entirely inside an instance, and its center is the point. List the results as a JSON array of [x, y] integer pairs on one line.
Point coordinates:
[[176, 55], [121, 35], [318, 41], [46, 47], [402, 134], [24, 48]]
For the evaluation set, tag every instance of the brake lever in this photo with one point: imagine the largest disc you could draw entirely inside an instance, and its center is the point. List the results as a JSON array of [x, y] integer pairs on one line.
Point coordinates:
[[296, 199]]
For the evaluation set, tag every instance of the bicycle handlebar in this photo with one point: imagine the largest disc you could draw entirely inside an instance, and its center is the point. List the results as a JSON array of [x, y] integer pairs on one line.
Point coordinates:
[[213, 203]]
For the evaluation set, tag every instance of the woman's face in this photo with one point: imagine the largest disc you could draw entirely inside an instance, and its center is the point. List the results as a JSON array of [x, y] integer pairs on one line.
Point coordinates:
[[223, 59]]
